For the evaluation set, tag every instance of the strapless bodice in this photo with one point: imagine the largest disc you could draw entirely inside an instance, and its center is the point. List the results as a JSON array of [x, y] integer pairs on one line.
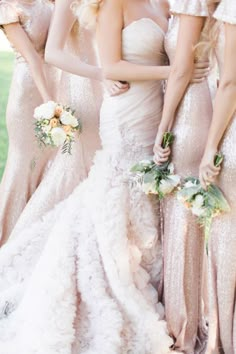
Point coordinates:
[[135, 115], [143, 42]]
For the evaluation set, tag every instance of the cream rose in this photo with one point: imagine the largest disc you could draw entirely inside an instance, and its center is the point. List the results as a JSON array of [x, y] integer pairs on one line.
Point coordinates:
[[198, 211], [198, 201], [146, 163], [45, 110], [58, 136], [175, 180], [67, 118], [189, 184], [149, 188], [166, 186]]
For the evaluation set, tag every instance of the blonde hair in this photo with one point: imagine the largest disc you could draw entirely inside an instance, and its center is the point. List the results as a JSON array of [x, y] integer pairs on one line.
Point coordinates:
[[210, 32], [86, 11]]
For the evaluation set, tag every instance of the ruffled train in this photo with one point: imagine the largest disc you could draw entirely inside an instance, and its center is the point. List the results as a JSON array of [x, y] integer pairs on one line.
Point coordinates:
[[84, 278]]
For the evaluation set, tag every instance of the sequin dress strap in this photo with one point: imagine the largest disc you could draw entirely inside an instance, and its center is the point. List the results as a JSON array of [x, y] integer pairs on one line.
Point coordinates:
[[189, 7], [8, 13], [226, 11]]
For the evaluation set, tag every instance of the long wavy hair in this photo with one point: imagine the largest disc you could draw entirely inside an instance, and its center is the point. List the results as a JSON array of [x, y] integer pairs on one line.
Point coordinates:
[[210, 31], [86, 11]]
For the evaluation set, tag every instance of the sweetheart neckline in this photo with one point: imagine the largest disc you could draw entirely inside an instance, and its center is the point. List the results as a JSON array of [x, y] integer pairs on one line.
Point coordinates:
[[145, 19]]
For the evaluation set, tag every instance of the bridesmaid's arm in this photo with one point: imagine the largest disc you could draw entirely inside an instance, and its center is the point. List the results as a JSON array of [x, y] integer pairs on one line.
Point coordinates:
[[224, 107], [56, 54], [110, 26], [23, 45], [190, 28], [182, 69]]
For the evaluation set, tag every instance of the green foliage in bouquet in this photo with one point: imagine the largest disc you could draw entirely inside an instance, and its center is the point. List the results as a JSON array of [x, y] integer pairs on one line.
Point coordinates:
[[205, 204], [153, 179]]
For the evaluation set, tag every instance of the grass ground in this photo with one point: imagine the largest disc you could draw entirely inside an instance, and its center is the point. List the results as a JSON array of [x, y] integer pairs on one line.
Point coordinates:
[[6, 65]]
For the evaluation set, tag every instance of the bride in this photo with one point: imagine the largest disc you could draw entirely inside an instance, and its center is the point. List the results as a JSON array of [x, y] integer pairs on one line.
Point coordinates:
[[84, 278]]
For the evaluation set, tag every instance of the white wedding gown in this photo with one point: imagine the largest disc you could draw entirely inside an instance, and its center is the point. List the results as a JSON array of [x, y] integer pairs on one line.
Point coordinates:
[[83, 279]]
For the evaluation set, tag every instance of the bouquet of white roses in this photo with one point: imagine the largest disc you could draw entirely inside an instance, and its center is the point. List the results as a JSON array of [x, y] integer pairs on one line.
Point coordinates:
[[153, 179], [205, 204], [56, 125]]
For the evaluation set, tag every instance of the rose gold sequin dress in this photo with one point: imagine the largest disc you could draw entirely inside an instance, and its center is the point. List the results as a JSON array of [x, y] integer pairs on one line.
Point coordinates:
[[66, 172], [183, 239], [222, 243], [20, 180]]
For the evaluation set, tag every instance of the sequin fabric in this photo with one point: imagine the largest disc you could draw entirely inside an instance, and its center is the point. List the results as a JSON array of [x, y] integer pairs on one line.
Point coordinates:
[[189, 7], [183, 239], [20, 180], [222, 243], [226, 11], [66, 172]]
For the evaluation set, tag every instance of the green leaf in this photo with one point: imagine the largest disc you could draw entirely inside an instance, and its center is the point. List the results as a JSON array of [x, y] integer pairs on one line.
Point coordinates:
[[219, 157], [168, 139]]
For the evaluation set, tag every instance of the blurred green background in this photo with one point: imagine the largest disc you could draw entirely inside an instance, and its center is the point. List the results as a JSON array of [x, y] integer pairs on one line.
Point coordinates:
[[6, 65]]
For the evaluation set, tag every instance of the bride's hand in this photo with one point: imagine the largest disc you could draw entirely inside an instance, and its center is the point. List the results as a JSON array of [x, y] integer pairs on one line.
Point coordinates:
[[160, 155], [116, 88], [200, 72], [207, 170]]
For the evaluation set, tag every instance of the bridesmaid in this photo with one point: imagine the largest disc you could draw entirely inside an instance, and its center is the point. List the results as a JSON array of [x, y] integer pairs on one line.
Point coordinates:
[[26, 24], [72, 49], [222, 243], [187, 111]]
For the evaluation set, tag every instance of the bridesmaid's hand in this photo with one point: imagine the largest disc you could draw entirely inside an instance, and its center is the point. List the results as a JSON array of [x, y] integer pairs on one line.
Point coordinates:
[[208, 171], [116, 88], [160, 155], [200, 72]]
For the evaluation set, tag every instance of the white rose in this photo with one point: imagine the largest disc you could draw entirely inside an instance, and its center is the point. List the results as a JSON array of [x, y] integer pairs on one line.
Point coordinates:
[[149, 188], [58, 136], [198, 211], [166, 186], [68, 119], [45, 110], [198, 201], [146, 163], [189, 184], [175, 179]]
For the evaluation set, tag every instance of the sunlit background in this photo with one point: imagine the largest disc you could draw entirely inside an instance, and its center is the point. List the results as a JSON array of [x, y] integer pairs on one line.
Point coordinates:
[[6, 65]]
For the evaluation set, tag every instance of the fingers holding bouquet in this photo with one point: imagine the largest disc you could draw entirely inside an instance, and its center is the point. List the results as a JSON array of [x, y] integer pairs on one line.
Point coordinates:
[[162, 147], [201, 195], [157, 177], [210, 167]]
